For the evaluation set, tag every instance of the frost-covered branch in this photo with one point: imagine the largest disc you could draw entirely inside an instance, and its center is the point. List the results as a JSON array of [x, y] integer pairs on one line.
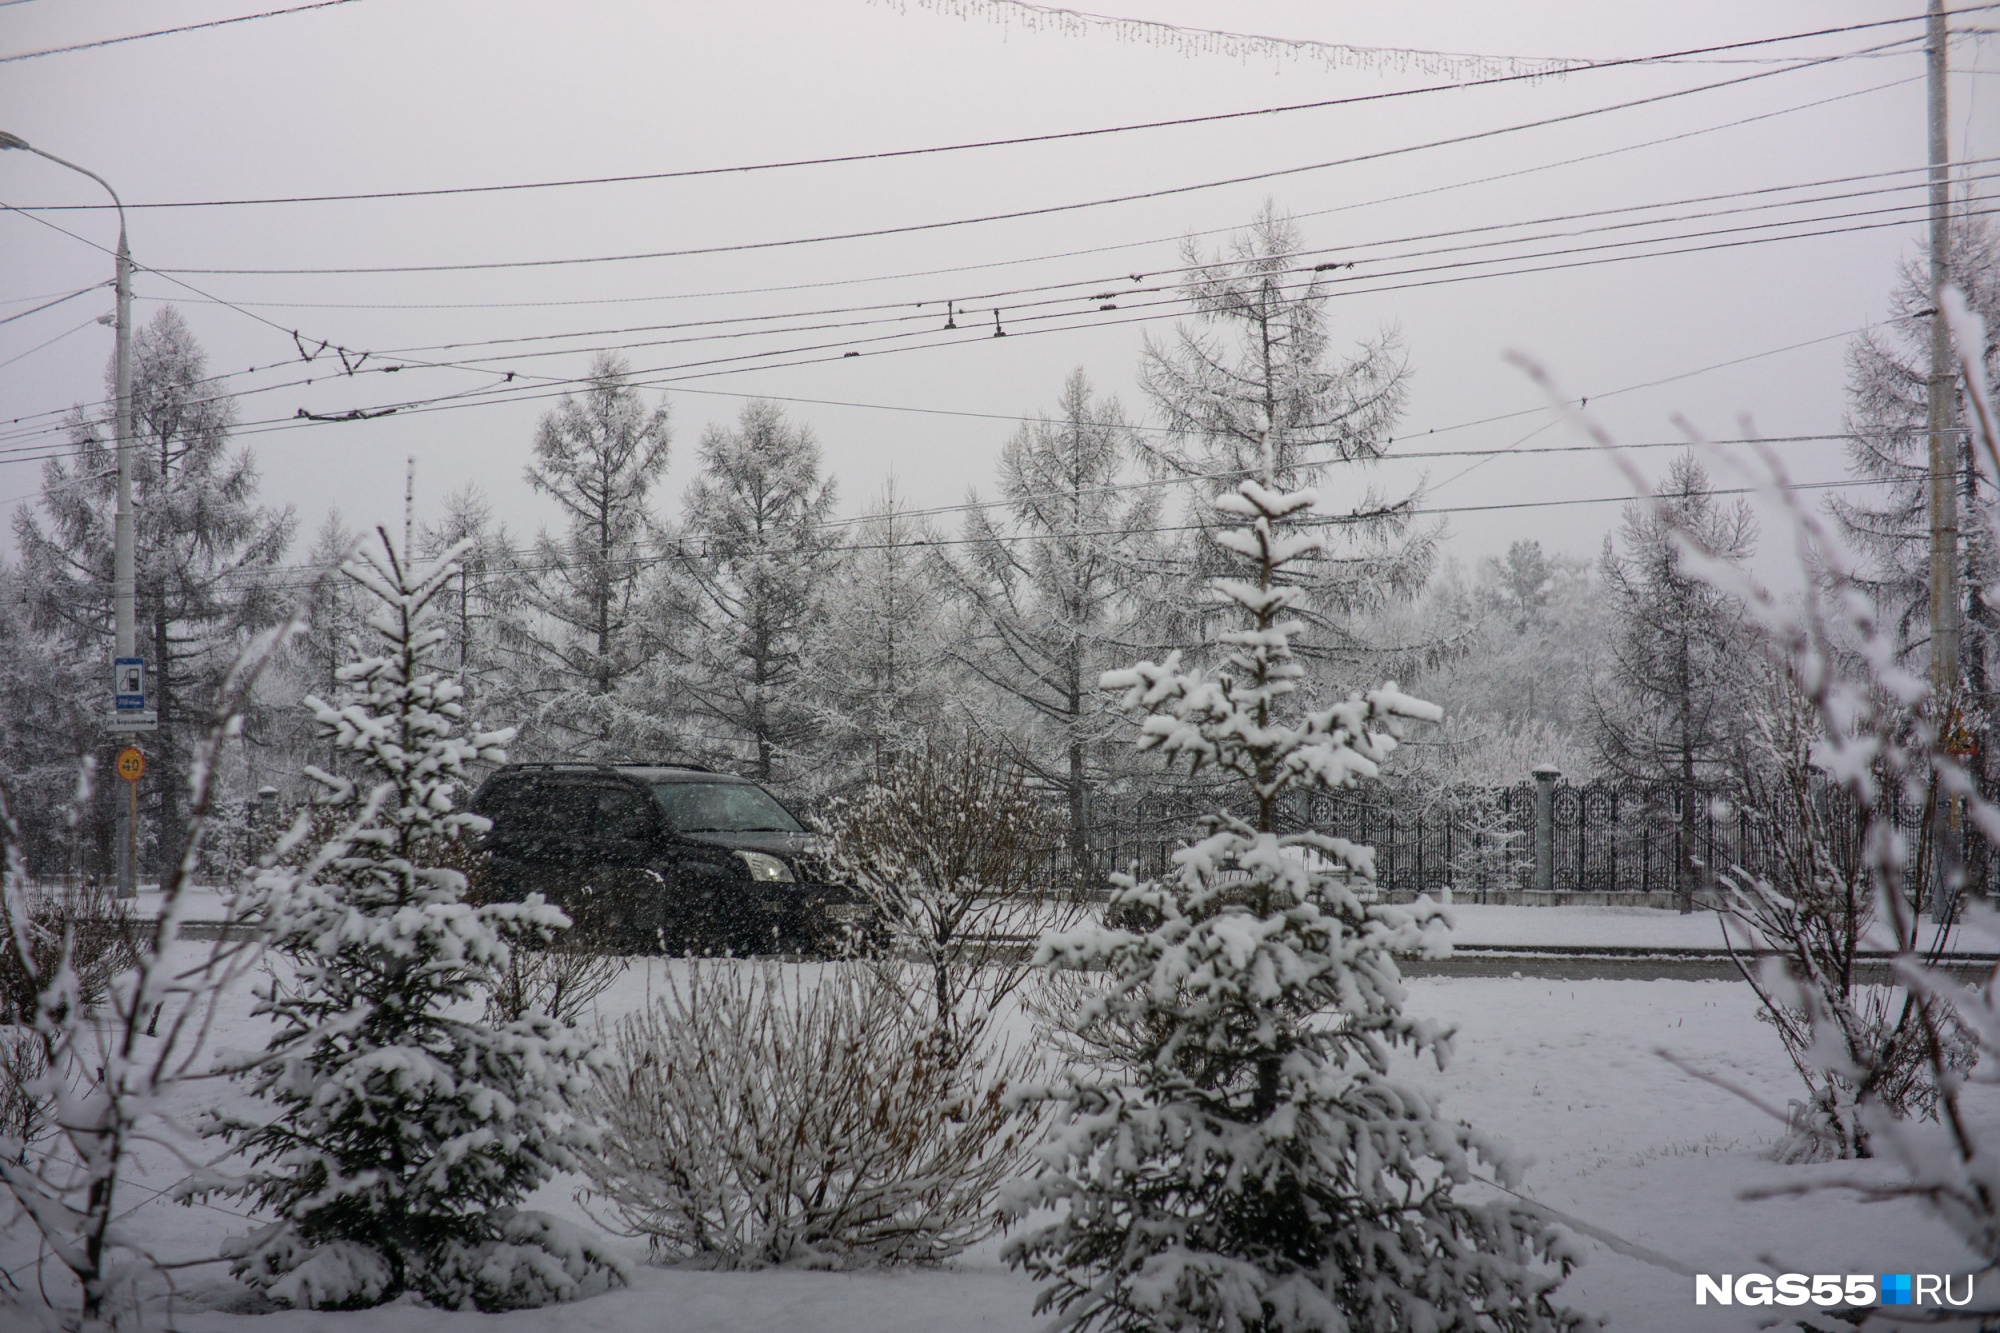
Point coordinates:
[[107, 1067]]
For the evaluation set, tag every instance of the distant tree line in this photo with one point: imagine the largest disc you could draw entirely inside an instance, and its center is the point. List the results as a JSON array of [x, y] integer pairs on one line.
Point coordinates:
[[751, 627]]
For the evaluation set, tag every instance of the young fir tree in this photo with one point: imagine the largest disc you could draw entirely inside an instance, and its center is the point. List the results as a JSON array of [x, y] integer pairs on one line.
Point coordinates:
[[1237, 1156], [407, 1130]]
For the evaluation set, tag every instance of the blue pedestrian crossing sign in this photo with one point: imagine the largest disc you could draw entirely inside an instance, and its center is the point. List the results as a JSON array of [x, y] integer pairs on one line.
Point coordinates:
[[128, 684]]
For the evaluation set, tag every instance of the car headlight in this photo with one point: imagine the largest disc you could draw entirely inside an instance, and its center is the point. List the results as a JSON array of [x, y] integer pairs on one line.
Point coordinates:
[[766, 869]]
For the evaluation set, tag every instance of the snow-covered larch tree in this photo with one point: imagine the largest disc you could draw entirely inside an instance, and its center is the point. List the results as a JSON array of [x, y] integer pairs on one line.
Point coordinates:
[[478, 611], [1679, 657], [1055, 588], [1232, 1152], [206, 551], [406, 1130], [1260, 354], [1888, 373], [598, 456], [745, 590], [877, 674]]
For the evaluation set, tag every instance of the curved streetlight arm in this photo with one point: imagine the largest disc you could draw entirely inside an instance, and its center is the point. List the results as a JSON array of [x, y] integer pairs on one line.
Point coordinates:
[[16, 141]]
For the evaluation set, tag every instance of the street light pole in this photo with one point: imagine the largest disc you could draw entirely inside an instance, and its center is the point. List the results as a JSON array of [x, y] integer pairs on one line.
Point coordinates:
[[123, 579]]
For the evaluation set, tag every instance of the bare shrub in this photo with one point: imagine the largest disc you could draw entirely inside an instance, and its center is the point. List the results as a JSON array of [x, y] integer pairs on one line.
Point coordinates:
[[1813, 903], [109, 1064], [760, 1114], [560, 981], [953, 847], [86, 928], [25, 1103]]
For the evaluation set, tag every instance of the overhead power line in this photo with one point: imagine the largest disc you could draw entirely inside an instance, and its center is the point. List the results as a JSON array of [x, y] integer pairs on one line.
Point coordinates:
[[1032, 325], [1089, 250], [1011, 215], [1073, 292], [536, 386], [51, 305], [540, 387], [1420, 434], [1229, 43], [884, 155], [1100, 280], [304, 575], [22, 356], [168, 32], [1642, 144]]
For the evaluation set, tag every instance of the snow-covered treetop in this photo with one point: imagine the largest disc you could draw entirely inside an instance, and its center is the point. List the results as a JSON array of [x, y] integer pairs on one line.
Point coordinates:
[[1232, 717], [398, 718]]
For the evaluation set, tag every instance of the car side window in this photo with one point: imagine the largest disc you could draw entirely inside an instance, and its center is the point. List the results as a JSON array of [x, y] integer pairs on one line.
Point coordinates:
[[571, 812], [568, 810], [518, 809], [621, 813]]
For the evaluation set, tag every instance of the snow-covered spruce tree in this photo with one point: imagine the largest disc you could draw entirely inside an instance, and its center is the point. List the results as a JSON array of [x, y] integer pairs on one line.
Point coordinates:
[[407, 1130], [1234, 1153]]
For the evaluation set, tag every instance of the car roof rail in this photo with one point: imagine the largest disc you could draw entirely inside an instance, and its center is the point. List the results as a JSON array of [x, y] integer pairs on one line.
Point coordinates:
[[602, 766], [562, 763]]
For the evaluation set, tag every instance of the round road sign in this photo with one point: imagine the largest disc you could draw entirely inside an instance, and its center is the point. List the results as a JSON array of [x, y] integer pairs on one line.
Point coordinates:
[[131, 764]]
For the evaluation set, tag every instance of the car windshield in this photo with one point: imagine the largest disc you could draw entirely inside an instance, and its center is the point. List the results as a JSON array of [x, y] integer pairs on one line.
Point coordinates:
[[723, 807]]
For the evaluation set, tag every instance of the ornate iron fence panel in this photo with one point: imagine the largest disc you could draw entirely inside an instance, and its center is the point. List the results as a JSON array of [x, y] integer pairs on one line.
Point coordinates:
[[1606, 837]]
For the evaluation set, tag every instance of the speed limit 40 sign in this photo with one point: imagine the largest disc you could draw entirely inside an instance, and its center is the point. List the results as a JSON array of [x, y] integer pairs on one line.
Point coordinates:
[[131, 763]]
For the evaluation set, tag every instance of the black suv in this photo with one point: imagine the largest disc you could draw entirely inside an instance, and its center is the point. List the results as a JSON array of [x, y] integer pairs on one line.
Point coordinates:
[[666, 857]]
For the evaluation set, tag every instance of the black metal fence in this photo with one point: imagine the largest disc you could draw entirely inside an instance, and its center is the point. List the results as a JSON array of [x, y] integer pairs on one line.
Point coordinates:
[[1604, 838]]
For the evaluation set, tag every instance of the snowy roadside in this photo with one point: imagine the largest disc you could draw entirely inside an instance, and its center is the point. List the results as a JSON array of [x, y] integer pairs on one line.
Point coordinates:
[[1563, 1071], [1650, 927], [1476, 924]]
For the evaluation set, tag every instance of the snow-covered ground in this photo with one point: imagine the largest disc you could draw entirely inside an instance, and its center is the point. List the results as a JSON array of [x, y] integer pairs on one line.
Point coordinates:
[[1564, 1071]]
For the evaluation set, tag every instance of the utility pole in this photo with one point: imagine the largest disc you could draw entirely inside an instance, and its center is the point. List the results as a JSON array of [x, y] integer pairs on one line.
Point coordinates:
[[123, 580], [1945, 826]]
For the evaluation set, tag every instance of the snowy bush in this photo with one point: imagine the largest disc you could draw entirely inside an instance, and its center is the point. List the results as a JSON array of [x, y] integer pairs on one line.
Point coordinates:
[[560, 980], [84, 929], [24, 1102], [760, 1113], [404, 1135], [105, 1050], [1948, 1164], [1876, 729], [1814, 902], [953, 848], [1238, 1156]]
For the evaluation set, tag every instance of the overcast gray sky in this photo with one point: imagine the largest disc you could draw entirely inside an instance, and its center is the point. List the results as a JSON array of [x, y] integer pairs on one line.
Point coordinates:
[[398, 95]]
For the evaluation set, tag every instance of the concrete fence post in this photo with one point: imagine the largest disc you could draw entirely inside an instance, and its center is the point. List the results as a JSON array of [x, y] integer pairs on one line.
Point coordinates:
[[1545, 776]]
